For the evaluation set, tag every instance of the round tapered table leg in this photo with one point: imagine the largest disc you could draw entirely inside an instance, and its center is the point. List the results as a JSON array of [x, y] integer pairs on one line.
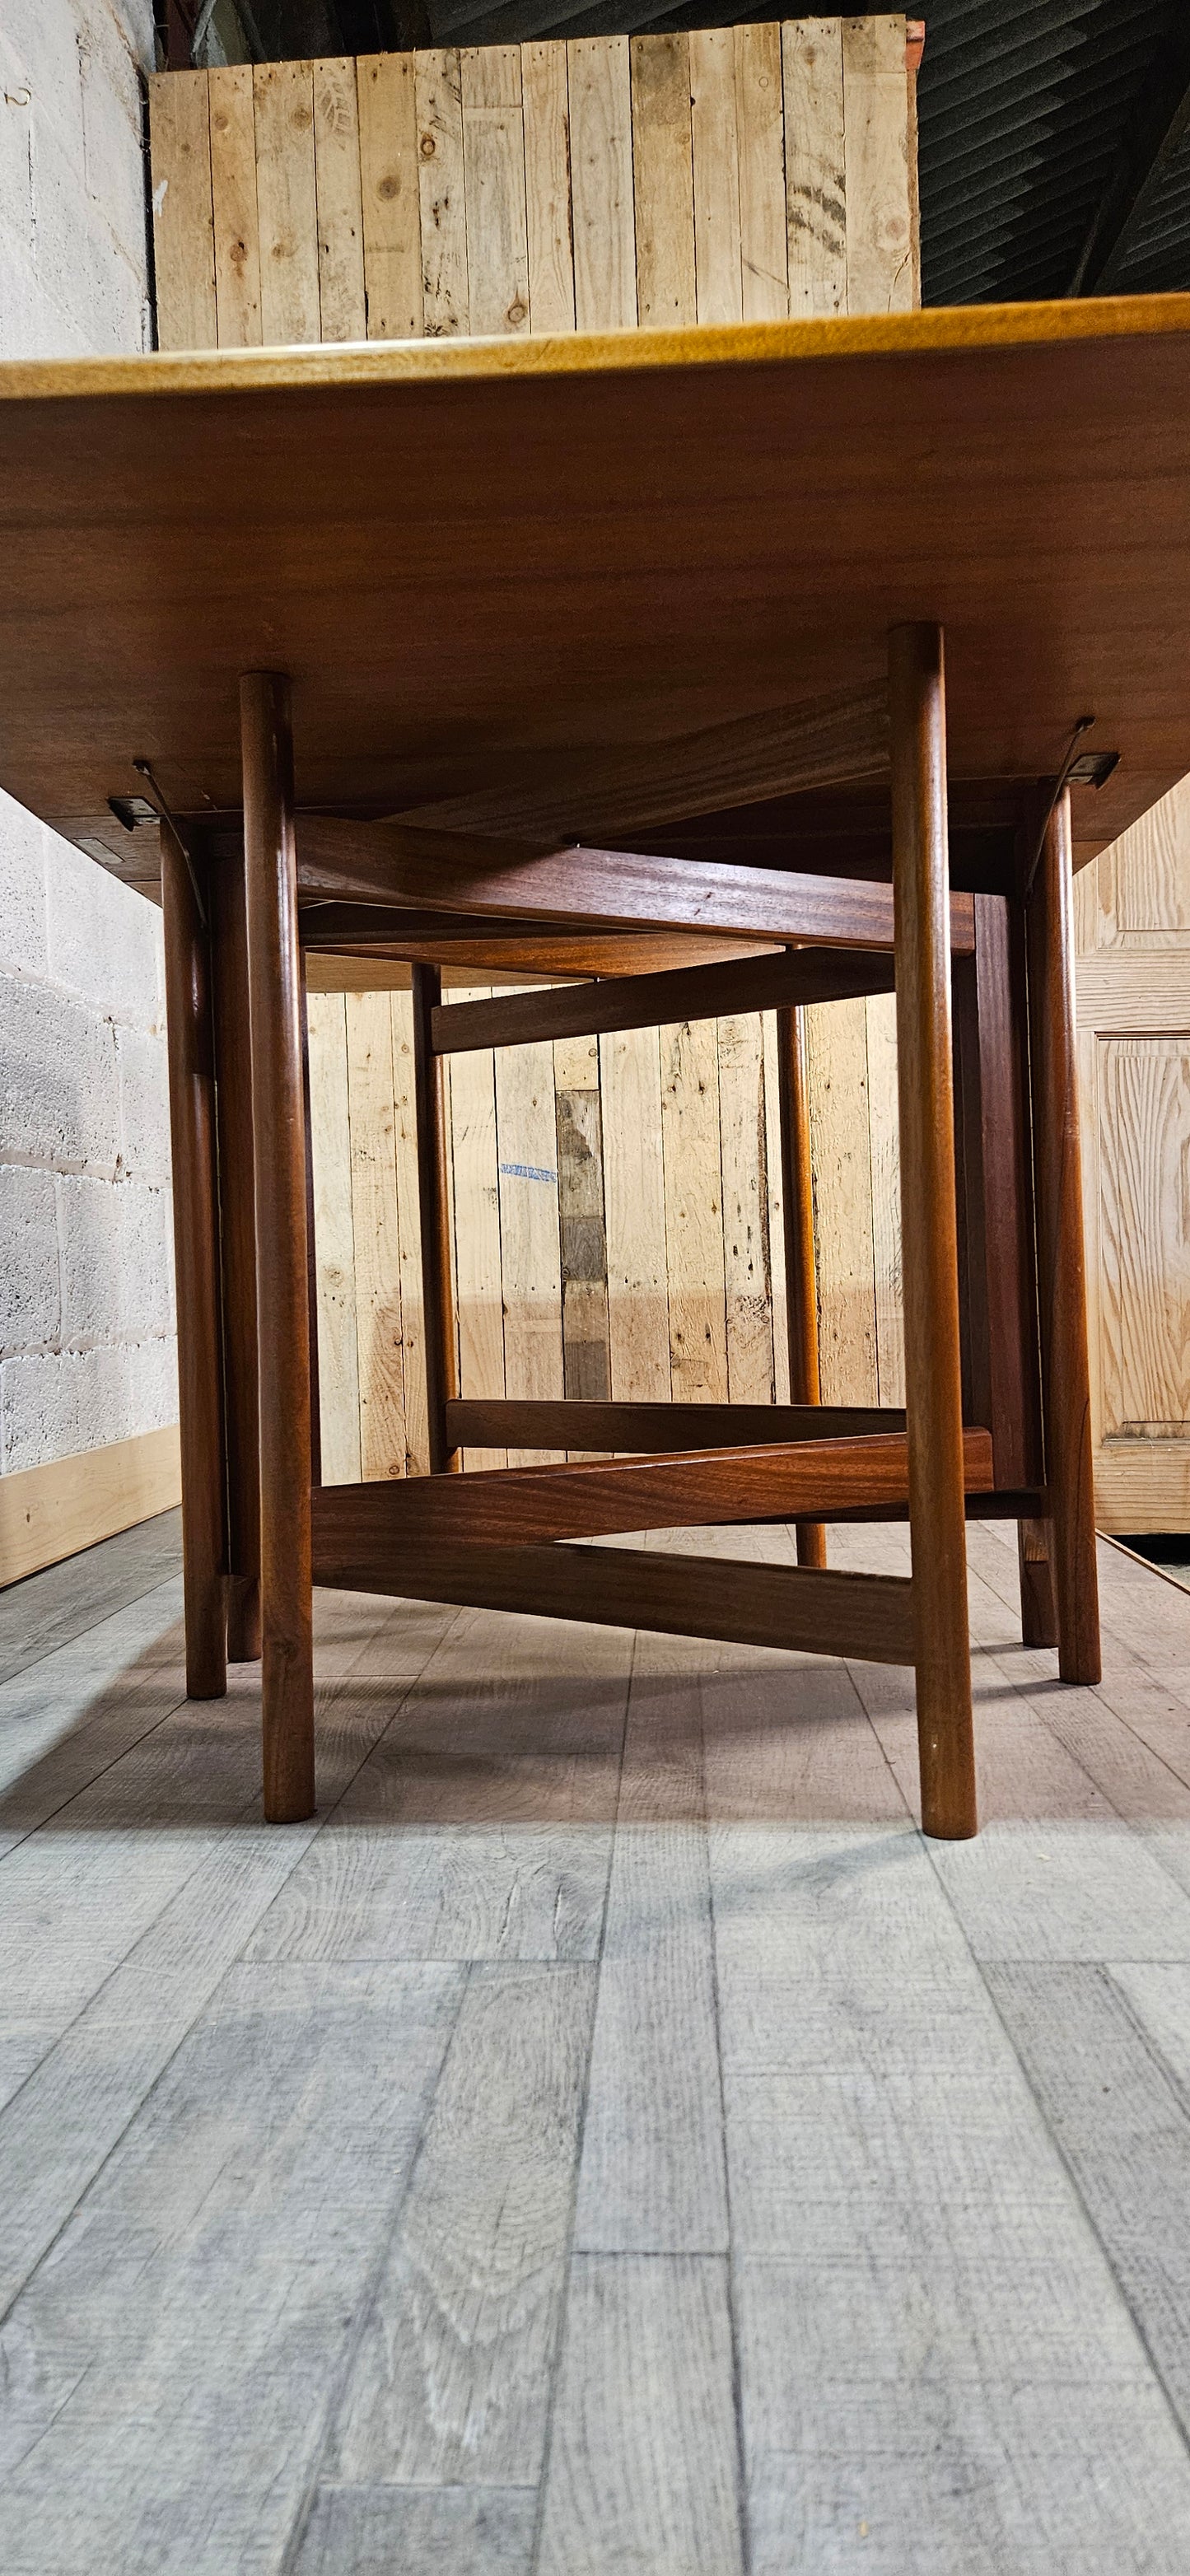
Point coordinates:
[[196, 1247]]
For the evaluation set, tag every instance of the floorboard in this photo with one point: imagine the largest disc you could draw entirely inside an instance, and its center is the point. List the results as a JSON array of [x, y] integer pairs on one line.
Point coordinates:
[[606, 2139]]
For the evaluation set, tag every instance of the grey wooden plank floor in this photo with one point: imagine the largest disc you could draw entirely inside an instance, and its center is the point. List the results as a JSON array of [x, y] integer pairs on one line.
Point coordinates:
[[607, 2140]]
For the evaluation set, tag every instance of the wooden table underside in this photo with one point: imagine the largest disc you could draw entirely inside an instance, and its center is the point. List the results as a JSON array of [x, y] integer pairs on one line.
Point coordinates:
[[602, 642]]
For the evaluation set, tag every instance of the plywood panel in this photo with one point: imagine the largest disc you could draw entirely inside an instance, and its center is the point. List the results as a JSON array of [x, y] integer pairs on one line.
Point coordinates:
[[760, 130], [389, 194], [815, 184], [716, 175], [286, 196], [233, 194], [880, 271], [334, 1245], [375, 1235], [601, 183], [663, 177], [183, 221], [342, 298], [546, 103], [694, 1255], [638, 1304], [494, 156]]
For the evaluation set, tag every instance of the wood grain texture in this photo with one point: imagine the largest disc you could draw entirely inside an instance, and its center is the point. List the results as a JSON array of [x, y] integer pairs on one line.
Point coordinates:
[[417, 1448], [760, 135], [389, 191], [494, 158], [880, 271], [692, 1162], [338, 1344], [190, 1038], [643, 1001], [237, 1253], [933, 1382], [183, 221], [477, 1252], [236, 220], [442, 2531], [50, 1513], [599, 82], [546, 103], [530, 1254], [717, 245], [1061, 1276], [592, 1498], [342, 299], [375, 1234], [648, 2347], [434, 1223], [663, 180], [438, 98], [815, 180], [589, 1424], [744, 1200], [282, 1294], [286, 195], [634, 1181], [837, 1065], [801, 1354], [451, 2382]]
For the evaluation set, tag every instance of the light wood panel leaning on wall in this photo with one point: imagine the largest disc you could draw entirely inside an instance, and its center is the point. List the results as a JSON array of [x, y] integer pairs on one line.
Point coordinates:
[[616, 1225]]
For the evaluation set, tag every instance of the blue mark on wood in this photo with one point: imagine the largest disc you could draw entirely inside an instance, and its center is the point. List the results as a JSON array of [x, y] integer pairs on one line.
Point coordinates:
[[528, 1172]]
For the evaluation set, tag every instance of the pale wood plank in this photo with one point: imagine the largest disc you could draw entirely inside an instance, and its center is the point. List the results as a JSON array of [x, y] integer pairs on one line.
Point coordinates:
[[375, 1235], [233, 193], [760, 129], [694, 1253], [837, 1056], [59, 1603], [479, 1286], [183, 220], [880, 270], [652, 2179], [745, 1210], [600, 91], [884, 1137], [663, 179], [342, 300], [451, 2381], [643, 2467], [446, 305], [334, 1246], [718, 281], [637, 1283], [52, 1511], [286, 195], [417, 1438], [530, 1253], [582, 1230], [389, 194], [439, 2531], [815, 186], [547, 187], [776, 1225], [494, 154]]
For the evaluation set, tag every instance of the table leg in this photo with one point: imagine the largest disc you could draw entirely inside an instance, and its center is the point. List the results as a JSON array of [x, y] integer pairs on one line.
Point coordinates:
[[1039, 1617], [437, 1309], [933, 1379], [196, 1249], [1061, 1275], [237, 1227], [797, 1216], [279, 1147]]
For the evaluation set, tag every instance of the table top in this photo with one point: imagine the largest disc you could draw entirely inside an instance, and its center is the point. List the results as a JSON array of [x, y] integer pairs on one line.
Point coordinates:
[[466, 553]]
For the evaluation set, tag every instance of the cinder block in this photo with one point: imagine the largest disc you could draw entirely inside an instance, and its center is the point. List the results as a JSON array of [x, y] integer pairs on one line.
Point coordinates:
[[152, 1385], [95, 1292], [102, 1399], [103, 936], [144, 1219], [42, 37], [23, 935], [55, 1404], [59, 1086], [16, 174], [111, 107], [144, 1103], [30, 1295]]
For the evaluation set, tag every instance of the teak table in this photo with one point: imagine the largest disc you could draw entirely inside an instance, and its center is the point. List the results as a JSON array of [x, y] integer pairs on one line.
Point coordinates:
[[586, 646]]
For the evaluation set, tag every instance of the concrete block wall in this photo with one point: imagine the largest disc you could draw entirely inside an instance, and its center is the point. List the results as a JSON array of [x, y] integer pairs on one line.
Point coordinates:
[[87, 1349]]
